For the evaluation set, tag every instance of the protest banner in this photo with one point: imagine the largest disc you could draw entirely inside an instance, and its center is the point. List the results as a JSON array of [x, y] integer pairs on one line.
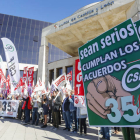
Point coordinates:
[[12, 62], [19, 84], [79, 89], [25, 75], [110, 67], [9, 108], [60, 81], [30, 76]]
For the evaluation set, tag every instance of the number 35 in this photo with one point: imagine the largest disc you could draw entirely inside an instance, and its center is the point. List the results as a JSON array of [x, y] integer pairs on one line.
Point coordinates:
[[125, 107]]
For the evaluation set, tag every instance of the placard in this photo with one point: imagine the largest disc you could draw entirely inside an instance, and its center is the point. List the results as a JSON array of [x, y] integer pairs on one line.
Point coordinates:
[[78, 88], [9, 108], [83, 111], [110, 67]]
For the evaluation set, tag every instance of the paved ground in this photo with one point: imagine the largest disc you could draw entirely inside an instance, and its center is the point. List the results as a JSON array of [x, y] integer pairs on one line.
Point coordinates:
[[12, 129]]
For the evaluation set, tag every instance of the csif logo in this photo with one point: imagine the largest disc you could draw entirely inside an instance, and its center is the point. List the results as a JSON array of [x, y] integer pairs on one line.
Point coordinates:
[[9, 48], [131, 78]]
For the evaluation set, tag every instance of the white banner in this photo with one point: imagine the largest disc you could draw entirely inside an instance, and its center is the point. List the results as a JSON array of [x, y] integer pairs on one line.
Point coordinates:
[[12, 61], [60, 81], [9, 108], [2, 66]]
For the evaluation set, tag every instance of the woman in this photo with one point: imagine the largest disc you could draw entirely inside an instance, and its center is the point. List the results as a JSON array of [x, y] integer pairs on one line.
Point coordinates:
[[13, 97], [45, 109]]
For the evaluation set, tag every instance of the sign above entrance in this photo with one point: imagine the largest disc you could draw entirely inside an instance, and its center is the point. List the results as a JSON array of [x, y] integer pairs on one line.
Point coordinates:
[[87, 14]]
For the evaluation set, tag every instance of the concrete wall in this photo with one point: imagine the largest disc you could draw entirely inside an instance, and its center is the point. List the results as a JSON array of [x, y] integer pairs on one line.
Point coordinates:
[[134, 11]]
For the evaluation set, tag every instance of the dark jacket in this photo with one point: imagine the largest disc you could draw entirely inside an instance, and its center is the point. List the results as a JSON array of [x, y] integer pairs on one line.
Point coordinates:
[[66, 105], [57, 103], [50, 104]]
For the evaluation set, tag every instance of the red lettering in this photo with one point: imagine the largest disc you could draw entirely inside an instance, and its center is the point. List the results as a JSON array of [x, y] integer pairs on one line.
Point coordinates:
[[133, 101], [60, 80]]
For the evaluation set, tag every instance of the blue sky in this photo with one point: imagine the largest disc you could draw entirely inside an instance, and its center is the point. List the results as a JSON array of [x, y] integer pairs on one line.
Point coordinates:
[[44, 10]]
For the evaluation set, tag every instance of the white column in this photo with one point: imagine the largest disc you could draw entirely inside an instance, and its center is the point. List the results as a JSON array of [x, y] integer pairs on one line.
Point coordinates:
[[64, 69], [54, 73], [43, 61]]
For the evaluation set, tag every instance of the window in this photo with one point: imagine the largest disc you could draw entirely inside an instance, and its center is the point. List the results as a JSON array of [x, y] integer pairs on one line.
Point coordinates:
[[34, 61], [22, 36], [10, 21], [8, 35], [25, 48], [51, 75], [5, 19], [23, 30], [4, 28], [21, 73], [59, 72], [9, 29]]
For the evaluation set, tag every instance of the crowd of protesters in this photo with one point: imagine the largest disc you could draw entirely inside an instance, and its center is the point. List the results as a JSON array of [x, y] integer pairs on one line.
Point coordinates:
[[37, 109]]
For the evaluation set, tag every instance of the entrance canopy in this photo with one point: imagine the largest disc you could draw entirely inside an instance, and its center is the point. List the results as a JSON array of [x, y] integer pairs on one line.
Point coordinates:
[[74, 31]]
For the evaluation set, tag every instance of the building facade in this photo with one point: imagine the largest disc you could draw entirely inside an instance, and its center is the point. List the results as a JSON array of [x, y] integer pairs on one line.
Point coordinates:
[[26, 36], [74, 31]]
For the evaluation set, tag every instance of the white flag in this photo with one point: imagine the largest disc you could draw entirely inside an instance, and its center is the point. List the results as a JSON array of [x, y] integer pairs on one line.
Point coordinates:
[[60, 81], [68, 86], [25, 90], [12, 61], [40, 86], [49, 86]]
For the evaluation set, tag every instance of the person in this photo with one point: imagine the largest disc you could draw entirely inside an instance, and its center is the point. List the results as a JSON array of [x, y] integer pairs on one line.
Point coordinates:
[[82, 122], [117, 130], [66, 112], [5, 96], [13, 97], [20, 107], [45, 109], [50, 109], [1, 96], [57, 103], [53, 96], [105, 132], [36, 105], [27, 106], [73, 111]]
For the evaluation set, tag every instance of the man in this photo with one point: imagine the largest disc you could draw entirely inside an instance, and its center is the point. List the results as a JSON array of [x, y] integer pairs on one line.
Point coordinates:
[[73, 111], [53, 96], [50, 108], [56, 107], [36, 105], [66, 112], [20, 107], [27, 106]]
